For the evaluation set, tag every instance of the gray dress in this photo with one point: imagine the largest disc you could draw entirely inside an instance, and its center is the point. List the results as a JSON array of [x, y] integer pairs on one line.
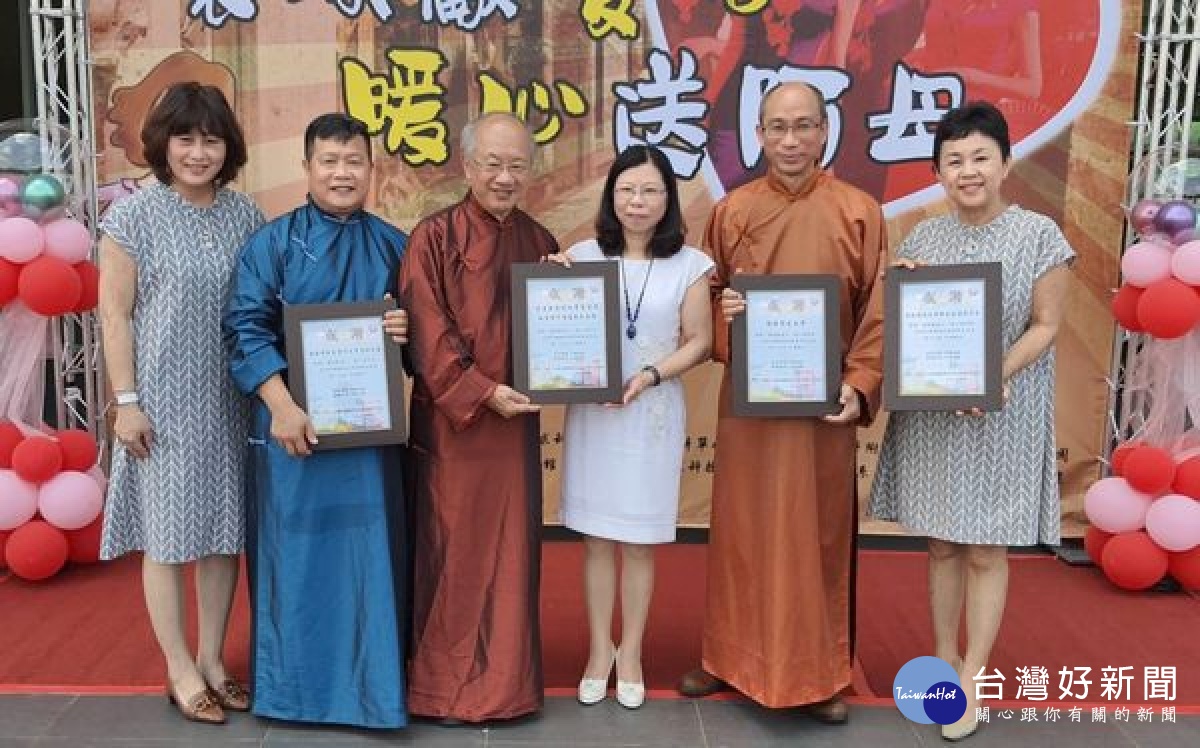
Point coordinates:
[[185, 501], [990, 479]]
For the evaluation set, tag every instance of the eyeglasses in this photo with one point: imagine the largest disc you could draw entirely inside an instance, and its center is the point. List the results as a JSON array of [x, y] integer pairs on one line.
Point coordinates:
[[492, 168], [779, 130], [647, 191]]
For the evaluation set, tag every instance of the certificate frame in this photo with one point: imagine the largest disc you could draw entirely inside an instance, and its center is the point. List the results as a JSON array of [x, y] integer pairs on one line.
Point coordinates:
[[524, 275], [829, 362], [390, 358], [985, 276]]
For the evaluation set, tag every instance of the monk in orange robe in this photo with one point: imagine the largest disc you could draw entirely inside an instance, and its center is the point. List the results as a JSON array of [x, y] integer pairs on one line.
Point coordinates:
[[778, 623], [476, 485]]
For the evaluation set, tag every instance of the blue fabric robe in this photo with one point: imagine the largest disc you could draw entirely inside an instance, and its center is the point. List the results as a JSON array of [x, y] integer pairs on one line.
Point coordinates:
[[325, 532]]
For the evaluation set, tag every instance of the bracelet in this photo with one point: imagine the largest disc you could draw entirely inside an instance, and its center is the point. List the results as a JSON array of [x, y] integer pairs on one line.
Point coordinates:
[[126, 398], [653, 371]]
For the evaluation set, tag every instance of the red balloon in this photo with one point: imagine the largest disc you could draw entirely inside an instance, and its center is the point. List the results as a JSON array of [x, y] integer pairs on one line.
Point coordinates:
[[3, 539], [1094, 541], [1168, 308], [9, 272], [37, 459], [10, 437], [89, 278], [1125, 305], [83, 545], [1185, 568], [36, 550], [1120, 454], [49, 286], [78, 450], [1187, 478], [1149, 469], [1133, 562]]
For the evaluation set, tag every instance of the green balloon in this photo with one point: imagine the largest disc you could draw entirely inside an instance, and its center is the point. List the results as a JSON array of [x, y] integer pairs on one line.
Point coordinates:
[[43, 192]]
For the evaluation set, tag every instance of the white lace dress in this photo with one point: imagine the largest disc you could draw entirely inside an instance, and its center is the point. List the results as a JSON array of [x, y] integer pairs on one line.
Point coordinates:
[[622, 466]]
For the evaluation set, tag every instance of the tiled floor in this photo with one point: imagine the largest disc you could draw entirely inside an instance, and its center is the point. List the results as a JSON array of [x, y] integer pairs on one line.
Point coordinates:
[[149, 722]]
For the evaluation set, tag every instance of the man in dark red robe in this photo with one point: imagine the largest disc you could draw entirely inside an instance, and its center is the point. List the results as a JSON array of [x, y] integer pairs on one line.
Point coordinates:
[[477, 487]]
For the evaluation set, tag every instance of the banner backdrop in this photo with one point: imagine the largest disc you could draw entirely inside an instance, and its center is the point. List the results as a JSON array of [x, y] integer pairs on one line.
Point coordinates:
[[592, 76]]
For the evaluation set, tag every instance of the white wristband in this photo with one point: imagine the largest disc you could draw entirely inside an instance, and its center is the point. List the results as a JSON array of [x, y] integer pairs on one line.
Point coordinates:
[[127, 398]]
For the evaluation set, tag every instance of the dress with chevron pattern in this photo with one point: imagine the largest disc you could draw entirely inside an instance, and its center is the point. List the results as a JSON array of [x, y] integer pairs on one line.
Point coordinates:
[[185, 501], [990, 479]]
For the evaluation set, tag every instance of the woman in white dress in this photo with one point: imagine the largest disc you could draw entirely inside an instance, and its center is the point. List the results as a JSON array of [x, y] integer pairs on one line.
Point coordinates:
[[622, 461]]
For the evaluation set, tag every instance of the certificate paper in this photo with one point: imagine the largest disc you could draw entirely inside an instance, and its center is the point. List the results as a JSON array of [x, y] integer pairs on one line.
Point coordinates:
[[786, 347], [345, 373], [942, 338], [565, 332], [941, 345], [346, 385]]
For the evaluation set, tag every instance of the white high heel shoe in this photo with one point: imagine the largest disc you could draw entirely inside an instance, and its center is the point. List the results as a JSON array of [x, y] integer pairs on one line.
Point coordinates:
[[630, 695], [594, 690]]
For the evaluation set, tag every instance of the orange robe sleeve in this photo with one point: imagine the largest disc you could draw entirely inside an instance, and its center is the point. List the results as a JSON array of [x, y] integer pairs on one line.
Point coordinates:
[[438, 352], [864, 359], [718, 244]]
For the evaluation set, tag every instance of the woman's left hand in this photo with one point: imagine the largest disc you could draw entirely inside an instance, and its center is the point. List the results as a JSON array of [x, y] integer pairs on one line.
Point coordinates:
[[634, 387], [978, 412]]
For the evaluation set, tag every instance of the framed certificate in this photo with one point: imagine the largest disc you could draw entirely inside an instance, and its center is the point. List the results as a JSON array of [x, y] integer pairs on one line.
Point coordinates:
[[345, 373], [787, 346], [942, 347], [565, 329]]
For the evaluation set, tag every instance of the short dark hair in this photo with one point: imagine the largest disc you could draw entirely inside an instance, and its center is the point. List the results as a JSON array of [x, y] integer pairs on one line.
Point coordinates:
[[668, 235], [188, 107], [975, 117], [335, 126]]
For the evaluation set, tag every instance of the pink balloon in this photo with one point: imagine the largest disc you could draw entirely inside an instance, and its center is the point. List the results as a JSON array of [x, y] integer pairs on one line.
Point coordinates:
[[1185, 263], [18, 500], [1173, 523], [70, 500], [67, 239], [1114, 506], [20, 239], [1146, 263]]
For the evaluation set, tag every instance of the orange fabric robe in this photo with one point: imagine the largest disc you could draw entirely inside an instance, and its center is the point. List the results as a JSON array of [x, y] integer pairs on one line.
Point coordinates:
[[778, 622], [476, 477]]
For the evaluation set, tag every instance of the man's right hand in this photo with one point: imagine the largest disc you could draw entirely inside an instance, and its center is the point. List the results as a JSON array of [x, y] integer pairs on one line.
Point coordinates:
[[291, 427], [732, 304], [507, 402]]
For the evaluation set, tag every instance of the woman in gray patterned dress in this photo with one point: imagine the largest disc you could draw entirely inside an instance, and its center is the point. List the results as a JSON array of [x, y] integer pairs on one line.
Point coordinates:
[[977, 483], [166, 262]]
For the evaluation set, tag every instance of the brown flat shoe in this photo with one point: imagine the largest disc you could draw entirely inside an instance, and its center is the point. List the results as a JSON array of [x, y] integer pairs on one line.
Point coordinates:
[[697, 684], [230, 695], [202, 707], [830, 712]]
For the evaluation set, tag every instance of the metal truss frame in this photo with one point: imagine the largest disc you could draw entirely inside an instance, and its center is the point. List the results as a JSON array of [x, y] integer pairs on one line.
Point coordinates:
[[64, 118], [1170, 60]]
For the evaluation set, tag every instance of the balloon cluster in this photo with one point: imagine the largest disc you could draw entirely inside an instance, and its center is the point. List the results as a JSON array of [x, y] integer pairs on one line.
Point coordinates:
[[1146, 518], [51, 496], [43, 254], [1161, 290]]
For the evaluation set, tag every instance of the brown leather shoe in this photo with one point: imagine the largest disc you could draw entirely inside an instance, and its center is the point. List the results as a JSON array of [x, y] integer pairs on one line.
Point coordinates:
[[696, 684], [830, 712], [230, 695], [202, 707]]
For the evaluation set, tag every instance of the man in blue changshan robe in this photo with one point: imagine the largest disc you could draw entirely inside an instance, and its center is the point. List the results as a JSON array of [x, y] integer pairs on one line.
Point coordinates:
[[324, 551]]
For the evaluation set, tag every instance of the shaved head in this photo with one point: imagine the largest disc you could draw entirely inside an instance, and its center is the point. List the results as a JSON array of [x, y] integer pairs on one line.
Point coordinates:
[[790, 88]]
